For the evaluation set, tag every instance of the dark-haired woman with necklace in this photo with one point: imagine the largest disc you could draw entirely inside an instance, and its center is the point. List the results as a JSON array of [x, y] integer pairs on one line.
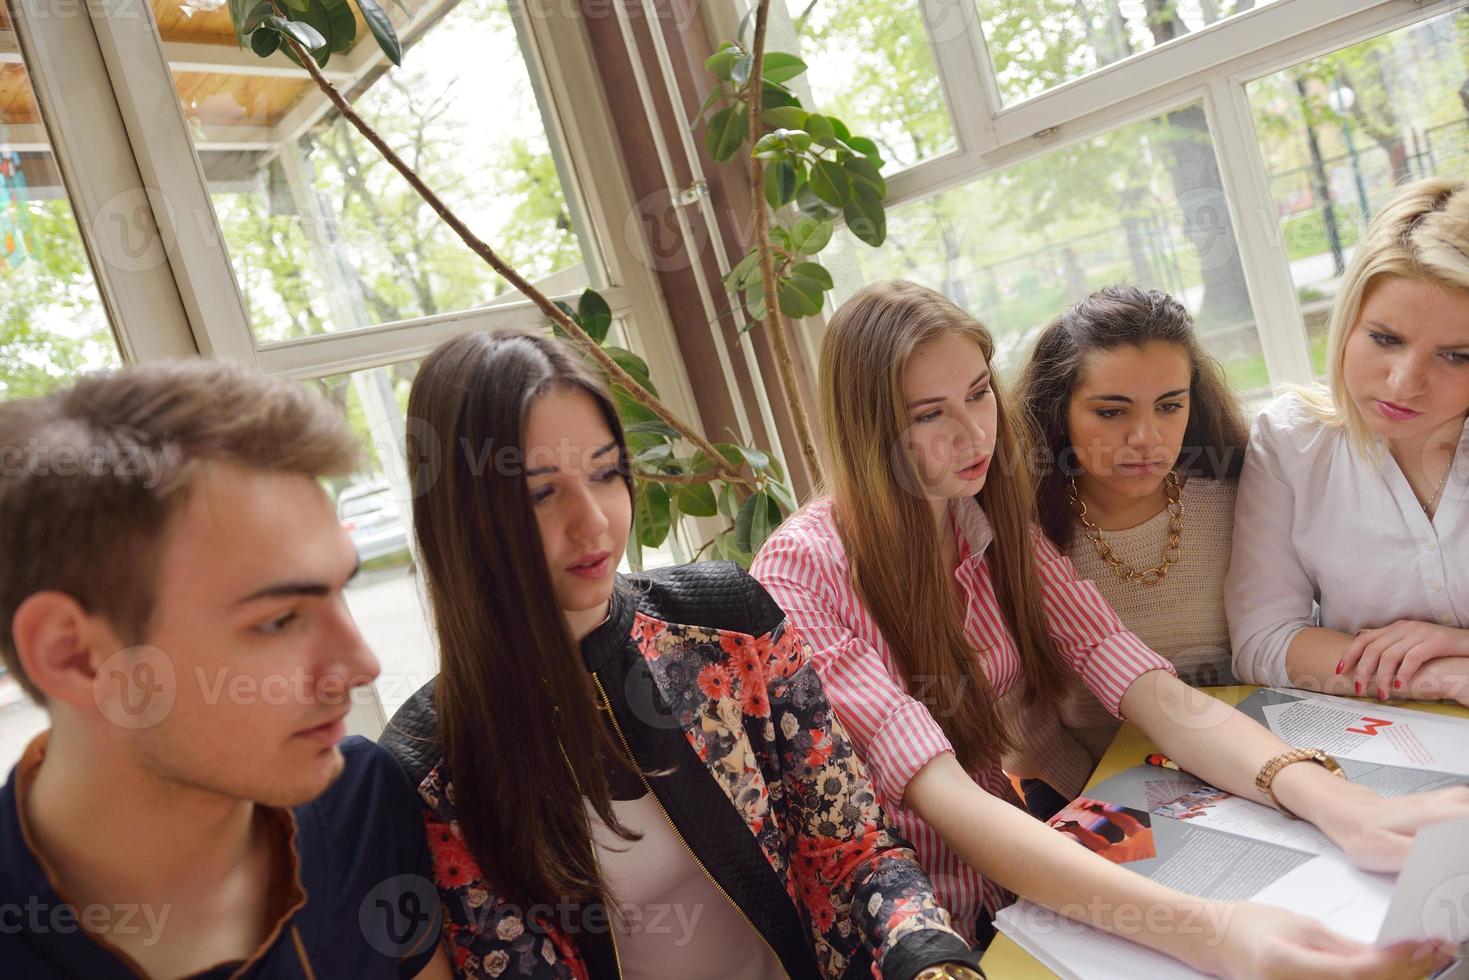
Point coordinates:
[[624, 776], [1141, 441]]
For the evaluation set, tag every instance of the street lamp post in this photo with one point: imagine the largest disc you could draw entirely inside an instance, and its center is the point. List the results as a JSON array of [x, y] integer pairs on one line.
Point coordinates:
[[1341, 98]]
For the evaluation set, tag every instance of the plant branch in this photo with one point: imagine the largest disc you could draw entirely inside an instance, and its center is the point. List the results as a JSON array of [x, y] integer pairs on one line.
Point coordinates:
[[779, 339], [684, 479], [574, 332]]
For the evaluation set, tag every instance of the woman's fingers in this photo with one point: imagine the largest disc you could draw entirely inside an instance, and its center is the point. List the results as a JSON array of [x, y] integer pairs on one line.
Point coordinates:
[[1388, 678]]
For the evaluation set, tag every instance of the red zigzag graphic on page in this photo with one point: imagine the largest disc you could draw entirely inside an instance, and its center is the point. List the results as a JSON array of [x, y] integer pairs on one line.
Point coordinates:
[[1369, 726]]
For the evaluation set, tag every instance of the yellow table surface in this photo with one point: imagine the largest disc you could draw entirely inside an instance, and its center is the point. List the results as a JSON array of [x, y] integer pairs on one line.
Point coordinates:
[[1004, 960]]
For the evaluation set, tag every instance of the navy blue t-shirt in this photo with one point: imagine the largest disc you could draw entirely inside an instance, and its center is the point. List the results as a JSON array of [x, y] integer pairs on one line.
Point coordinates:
[[371, 909]]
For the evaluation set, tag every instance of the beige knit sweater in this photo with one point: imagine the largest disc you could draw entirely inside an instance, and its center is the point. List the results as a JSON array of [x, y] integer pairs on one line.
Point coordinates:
[[1181, 617]]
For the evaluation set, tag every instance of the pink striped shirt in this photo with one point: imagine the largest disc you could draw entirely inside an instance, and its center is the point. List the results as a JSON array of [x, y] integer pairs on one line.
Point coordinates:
[[804, 568]]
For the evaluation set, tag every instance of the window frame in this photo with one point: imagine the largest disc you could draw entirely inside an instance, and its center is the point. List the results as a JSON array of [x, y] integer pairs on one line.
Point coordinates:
[[1212, 67]]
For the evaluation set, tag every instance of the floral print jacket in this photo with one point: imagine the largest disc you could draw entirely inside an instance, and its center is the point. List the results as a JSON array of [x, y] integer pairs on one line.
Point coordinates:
[[700, 669]]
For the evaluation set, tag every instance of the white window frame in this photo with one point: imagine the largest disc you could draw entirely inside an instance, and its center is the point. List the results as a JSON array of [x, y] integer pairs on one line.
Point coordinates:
[[1211, 67]]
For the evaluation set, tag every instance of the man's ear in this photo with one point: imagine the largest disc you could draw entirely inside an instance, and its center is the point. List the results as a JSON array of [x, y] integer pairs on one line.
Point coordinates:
[[56, 641]]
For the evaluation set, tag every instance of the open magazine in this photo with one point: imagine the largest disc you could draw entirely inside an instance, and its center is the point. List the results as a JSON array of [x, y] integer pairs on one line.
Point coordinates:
[[1185, 833]]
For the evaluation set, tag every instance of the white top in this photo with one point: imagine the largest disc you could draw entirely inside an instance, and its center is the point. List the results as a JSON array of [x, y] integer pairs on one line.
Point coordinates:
[[1317, 521], [669, 918]]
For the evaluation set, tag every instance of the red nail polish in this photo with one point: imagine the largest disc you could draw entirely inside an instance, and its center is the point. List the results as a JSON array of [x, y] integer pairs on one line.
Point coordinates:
[[1397, 682], [1338, 666], [1356, 687], [1381, 694]]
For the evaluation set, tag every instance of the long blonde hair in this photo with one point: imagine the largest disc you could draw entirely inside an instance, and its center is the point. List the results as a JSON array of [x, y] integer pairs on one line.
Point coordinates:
[[1422, 234], [891, 540]]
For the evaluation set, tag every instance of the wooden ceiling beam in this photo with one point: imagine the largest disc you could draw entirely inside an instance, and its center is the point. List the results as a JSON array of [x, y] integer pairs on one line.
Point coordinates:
[[218, 59]]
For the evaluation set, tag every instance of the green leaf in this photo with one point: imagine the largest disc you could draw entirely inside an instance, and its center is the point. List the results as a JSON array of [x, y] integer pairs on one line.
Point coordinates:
[[697, 500], [814, 271], [780, 185], [633, 365], [830, 182], [757, 459], [594, 315], [770, 147], [782, 67], [656, 454], [239, 12], [344, 25], [782, 494], [785, 117], [264, 42], [866, 217], [779, 236], [297, 5], [634, 549], [382, 30], [733, 455], [744, 523], [257, 16], [862, 171], [819, 127], [773, 96], [727, 130], [747, 24], [737, 276], [729, 501], [739, 73], [765, 520], [651, 516], [813, 206], [799, 296], [866, 147], [842, 132], [630, 411], [299, 31], [721, 63], [810, 235], [715, 94]]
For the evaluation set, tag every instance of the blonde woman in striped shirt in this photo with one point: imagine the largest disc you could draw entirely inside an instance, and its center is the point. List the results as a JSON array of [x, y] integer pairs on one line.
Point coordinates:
[[929, 597]]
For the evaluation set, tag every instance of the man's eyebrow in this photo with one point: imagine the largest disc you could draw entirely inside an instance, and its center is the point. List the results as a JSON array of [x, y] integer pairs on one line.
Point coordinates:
[[543, 470], [291, 588], [929, 401]]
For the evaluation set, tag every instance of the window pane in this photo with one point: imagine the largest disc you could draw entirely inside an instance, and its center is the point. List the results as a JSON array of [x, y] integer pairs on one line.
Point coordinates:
[[1037, 44], [1339, 133], [1016, 248], [52, 323], [871, 66], [323, 233]]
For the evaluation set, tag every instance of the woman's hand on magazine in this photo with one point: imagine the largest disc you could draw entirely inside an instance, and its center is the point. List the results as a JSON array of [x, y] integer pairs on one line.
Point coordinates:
[[1262, 943], [1377, 832]]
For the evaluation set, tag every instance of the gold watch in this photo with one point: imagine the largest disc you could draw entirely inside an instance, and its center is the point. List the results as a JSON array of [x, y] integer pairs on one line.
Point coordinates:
[[949, 971], [1270, 769]]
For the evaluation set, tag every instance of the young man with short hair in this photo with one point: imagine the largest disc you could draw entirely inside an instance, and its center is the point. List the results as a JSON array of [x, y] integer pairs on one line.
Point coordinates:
[[171, 577]]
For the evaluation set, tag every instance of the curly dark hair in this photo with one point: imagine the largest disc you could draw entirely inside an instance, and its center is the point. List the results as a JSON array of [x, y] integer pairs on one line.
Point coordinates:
[[1214, 442]]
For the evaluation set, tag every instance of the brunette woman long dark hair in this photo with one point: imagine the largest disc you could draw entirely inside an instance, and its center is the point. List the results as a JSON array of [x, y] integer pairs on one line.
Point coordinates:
[[1215, 439], [514, 702]]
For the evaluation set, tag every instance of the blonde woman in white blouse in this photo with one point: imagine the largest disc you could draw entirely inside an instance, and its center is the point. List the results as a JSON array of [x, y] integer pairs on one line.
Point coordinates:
[[1143, 442], [1350, 572]]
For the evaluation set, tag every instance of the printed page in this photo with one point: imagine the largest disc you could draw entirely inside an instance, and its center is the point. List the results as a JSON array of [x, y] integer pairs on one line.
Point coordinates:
[[1432, 897], [1363, 731]]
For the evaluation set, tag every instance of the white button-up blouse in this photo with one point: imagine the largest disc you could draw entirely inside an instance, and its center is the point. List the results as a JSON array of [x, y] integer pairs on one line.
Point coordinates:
[[1317, 522]]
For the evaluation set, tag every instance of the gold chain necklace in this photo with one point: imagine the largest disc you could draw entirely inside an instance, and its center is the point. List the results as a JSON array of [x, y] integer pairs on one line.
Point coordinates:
[[1172, 551], [1428, 507]]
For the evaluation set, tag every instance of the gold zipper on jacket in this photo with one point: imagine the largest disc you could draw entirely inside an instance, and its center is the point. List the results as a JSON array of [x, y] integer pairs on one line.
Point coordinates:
[[607, 704], [596, 862]]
